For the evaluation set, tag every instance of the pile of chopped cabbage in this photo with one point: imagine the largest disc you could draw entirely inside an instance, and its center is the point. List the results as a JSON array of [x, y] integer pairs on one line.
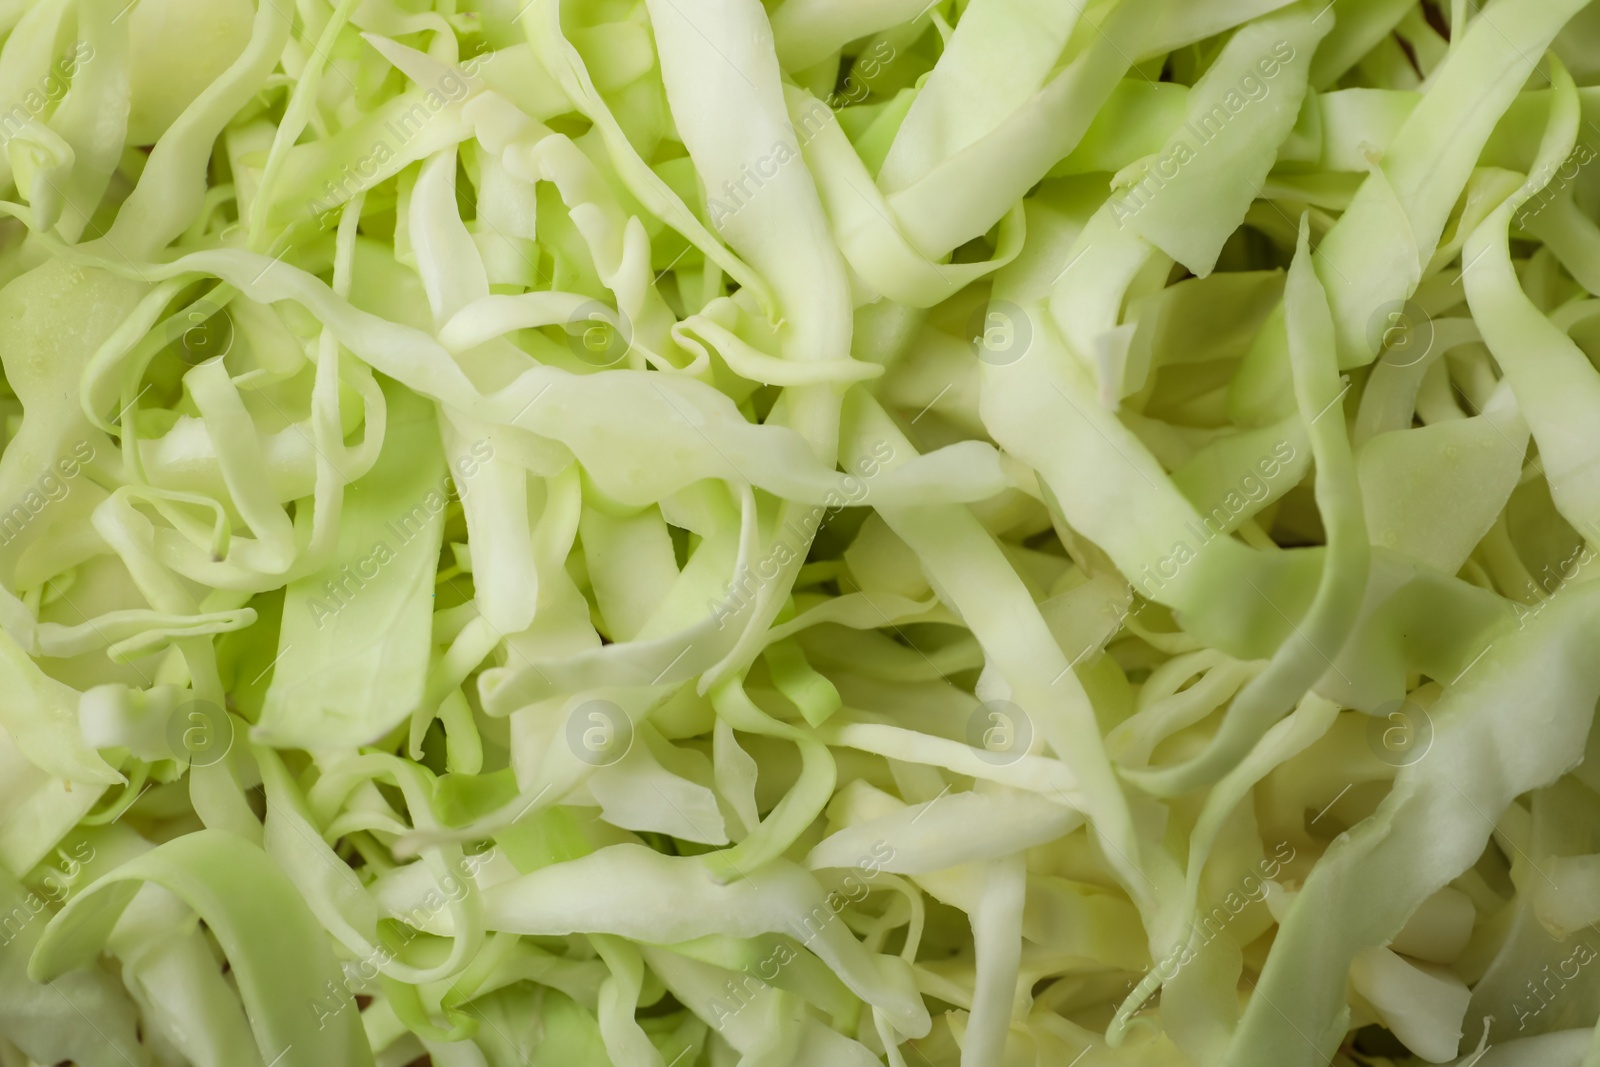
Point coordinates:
[[804, 533]]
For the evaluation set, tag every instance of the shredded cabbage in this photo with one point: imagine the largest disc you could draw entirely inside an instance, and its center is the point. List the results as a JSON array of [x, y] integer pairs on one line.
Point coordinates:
[[695, 533]]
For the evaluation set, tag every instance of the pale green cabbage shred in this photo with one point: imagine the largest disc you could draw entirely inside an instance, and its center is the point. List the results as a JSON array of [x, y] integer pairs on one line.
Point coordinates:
[[803, 533]]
